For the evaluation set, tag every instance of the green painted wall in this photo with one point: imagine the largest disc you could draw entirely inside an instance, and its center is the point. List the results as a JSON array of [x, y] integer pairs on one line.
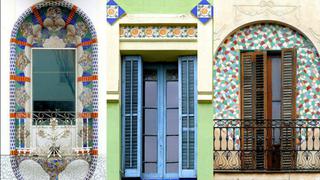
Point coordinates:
[[113, 141], [205, 141], [157, 6]]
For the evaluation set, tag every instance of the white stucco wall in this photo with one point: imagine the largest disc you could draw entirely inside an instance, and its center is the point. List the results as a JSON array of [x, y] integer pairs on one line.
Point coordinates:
[[10, 12]]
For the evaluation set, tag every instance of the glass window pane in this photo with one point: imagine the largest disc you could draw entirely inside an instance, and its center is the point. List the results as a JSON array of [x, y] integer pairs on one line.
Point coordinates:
[[150, 121], [172, 148], [150, 167], [172, 167], [172, 121], [150, 93], [276, 79], [53, 80], [150, 148], [172, 94]]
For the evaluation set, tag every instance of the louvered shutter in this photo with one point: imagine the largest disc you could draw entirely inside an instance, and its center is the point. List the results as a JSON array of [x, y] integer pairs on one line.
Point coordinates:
[[131, 115], [253, 99], [187, 115], [288, 108]]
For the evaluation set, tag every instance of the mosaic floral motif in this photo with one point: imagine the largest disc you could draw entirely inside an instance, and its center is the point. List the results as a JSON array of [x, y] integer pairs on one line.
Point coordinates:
[[114, 12], [158, 32], [262, 37], [22, 61], [53, 20], [203, 11], [85, 62], [21, 96], [86, 97]]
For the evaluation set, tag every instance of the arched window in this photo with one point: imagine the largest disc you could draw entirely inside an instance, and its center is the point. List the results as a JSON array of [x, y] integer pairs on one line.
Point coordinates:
[[53, 88]]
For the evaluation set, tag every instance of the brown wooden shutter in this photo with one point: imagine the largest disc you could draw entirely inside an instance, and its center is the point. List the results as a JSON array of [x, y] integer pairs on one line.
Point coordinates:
[[288, 108], [253, 103]]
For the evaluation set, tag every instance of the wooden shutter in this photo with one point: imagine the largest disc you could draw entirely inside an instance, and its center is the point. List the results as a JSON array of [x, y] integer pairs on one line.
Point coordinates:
[[288, 108], [253, 105], [187, 115], [131, 115]]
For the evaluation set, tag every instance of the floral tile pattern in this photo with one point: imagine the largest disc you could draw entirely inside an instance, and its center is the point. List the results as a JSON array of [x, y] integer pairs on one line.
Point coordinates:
[[114, 12], [157, 32], [203, 11], [260, 37]]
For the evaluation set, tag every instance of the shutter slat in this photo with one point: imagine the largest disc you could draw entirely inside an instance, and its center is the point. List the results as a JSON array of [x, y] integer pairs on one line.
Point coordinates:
[[131, 115], [187, 66], [288, 66], [253, 79]]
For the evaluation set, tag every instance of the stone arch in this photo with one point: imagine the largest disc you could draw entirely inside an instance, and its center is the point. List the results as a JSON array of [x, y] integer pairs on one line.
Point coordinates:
[[265, 36], [52, 24]]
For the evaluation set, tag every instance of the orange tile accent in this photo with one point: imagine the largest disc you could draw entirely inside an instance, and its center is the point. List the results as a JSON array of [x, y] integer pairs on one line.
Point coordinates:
[[13, 40], [88, 78], [14, 152], [37, 14], [88, 115], [19, 78], [87, 43], [94, 152], [71, 15], [20, 115]]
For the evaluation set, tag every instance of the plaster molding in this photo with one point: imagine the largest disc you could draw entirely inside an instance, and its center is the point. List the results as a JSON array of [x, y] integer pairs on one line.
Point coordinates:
[[315, 35], [266, 8], [218, 33]]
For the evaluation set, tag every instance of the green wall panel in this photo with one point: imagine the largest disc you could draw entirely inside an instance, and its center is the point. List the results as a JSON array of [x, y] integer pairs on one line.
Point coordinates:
[[113, 141], [157, 6], [205, 141]]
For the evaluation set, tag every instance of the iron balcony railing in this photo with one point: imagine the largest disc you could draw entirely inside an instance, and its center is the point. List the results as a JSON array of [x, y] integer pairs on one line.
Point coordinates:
[[266, 145]]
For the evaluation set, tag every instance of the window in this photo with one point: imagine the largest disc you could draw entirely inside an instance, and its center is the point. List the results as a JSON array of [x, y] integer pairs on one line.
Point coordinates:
[[268, 109], [53, 86], [158, 113]]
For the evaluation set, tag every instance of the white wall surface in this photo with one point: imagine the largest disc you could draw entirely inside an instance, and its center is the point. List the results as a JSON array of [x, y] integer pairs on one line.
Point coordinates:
[[10, 12]]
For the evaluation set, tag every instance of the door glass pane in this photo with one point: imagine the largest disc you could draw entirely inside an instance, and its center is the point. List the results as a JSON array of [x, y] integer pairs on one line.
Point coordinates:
[[172, 121], [276, 78], [150, 118], [151, 122], [172, 154], [172, 94]]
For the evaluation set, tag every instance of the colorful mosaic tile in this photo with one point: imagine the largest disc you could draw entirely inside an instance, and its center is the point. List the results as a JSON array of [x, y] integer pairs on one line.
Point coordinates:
[[114, 12], [50, 24], [157, 32], [265, 37], [203, 11]]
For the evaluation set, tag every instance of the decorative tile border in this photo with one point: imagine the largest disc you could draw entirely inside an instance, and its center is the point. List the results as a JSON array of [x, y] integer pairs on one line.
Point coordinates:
[[73, 25], [261, 37], [153, 32], [203, 11], [114, 12]]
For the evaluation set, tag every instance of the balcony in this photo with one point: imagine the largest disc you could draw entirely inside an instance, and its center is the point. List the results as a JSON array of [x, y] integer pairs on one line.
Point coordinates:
[[266, 145]]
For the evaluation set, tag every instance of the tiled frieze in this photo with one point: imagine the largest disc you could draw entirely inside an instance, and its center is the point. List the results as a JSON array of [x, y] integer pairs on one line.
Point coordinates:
[[153, 32]]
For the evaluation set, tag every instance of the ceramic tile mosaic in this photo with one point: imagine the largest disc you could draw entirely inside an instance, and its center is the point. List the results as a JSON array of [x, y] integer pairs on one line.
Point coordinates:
[[265, 37], [53, 24], [114, 12], [203, 11], [157, 32]]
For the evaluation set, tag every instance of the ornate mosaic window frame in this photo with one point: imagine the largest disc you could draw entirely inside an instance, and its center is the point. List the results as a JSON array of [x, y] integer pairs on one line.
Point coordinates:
[[53, 24]]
